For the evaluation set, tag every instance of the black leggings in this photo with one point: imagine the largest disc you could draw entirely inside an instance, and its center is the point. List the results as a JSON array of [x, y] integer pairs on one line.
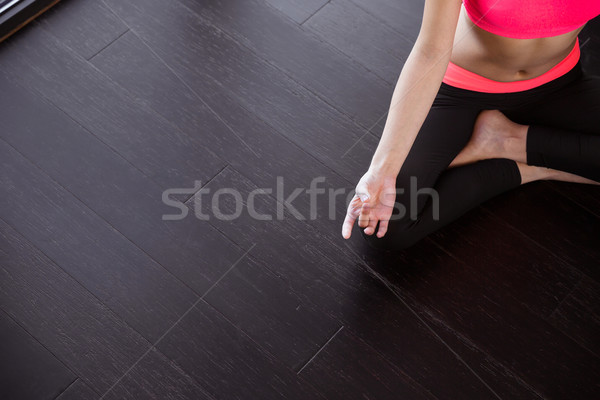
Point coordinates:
[[564, 134]]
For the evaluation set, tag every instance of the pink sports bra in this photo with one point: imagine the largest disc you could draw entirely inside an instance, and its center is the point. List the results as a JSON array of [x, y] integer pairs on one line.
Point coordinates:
[[529, 19], [523, 19]]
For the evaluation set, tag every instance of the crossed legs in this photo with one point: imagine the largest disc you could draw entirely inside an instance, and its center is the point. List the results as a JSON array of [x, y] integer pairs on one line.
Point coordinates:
[[495, 136], [468, 157]]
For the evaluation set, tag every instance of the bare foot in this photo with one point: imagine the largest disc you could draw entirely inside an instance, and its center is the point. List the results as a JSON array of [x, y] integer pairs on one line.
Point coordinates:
[[494, 136]]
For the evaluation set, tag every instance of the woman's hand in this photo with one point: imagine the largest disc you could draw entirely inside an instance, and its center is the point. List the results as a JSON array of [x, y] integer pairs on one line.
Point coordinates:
[[417, 86], [373, 203]]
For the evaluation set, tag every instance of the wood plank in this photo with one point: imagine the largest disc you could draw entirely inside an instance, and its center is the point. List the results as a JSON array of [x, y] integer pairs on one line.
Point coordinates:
[[260, 303], [227, 363], [299, 11], [252, 147], [447, 370], [362, 37], [578, 316], [156, 377], [141, 136], [566, 230], [514, 267], [78, 390], [192, 250], [261, 88], [414, 275], [316, 271], [485, 315], [66, 318], [95, 251], [586, 196], [323, 272], [86, 26], [337, 79], [346, 368], [123, 277], [501, 267], [404, 16], [28, 370], [289, 328], [555, 366], [540, 285], [505, 382], [82, 332]]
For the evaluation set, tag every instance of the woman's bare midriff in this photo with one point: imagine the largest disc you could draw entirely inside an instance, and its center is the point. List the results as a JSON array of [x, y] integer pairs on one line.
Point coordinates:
[[506, 59]]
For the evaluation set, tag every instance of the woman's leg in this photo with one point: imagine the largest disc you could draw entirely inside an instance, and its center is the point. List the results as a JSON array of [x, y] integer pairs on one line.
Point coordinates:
[[495, 158], [429, 195], [530, 173], [565, 130], [560, 131]]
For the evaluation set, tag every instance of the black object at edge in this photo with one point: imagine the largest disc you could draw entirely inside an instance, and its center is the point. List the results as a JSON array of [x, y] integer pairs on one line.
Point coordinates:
[[20, 14]]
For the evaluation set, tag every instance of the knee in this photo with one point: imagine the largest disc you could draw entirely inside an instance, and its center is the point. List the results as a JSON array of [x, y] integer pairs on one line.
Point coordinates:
[[396, 239]]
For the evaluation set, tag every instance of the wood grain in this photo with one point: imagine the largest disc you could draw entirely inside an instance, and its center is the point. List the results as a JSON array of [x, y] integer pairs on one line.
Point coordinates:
[[299, 11], [138, 134], [362, 36], [67, 319], [157, 377], [578, 315], [404, 16], [107, 104], [323, 274], [107, 264], [78, 390], [86, 26], [216, 121], [261, 303], [352, 377], [575, 230], [191, 250], [28, 370], [337, 79], [224, 360], [261, 88]]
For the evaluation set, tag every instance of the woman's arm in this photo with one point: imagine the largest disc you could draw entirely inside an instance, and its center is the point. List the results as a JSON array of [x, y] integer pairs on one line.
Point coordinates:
[[413, 96], [418, 84]]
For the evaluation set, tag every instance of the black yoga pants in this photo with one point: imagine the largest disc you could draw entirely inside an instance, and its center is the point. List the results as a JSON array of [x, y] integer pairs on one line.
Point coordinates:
[[564, 134]]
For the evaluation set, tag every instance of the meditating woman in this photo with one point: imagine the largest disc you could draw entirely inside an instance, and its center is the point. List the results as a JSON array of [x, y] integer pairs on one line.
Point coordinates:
[[492, 96]]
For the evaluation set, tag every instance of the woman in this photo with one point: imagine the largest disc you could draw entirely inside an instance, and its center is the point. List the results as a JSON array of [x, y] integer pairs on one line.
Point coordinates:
[[492, 96]]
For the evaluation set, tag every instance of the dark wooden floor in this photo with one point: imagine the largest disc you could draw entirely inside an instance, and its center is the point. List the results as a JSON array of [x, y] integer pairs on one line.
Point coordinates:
[[106, 104]]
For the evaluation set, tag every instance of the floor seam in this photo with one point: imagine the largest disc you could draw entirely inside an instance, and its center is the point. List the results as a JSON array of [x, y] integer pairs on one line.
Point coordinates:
[[391, 287]]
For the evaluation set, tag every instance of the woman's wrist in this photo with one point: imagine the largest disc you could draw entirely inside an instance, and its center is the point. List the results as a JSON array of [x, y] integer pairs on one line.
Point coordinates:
[[390, 153], [386, 167]]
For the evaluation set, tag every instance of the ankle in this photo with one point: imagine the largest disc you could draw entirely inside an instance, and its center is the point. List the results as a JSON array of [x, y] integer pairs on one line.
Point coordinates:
[[519, 131], [515, 144]]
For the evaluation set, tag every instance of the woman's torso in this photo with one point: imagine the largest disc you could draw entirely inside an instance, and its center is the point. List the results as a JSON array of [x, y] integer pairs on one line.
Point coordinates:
[[506, 59]]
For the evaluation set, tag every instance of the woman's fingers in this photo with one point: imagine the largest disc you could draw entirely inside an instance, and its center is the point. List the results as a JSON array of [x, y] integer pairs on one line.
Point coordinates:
[[361, 191], [370, 229], [383, 225], [347, 226], [351, 215], [372, 223], [372, 204], [363, 218]]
